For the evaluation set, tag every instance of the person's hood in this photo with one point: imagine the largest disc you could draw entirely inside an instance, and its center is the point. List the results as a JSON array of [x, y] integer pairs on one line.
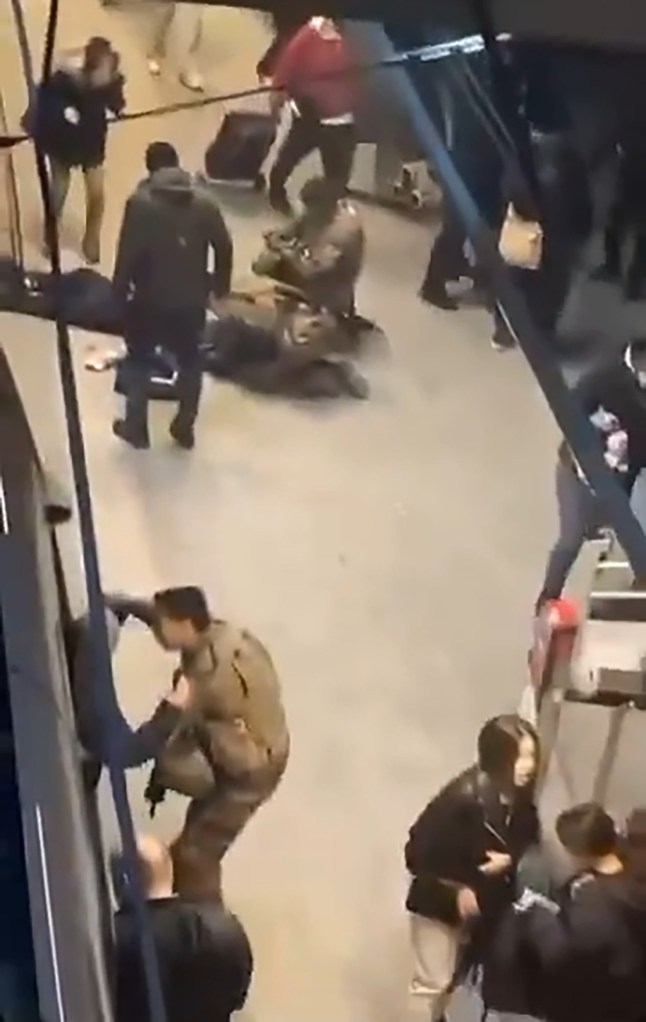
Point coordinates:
[[171, 184]]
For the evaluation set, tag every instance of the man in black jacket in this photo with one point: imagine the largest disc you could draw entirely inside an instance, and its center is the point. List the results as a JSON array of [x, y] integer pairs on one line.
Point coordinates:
[[204, 956], [462, 853], [592, 949], [171, 230], [70, 124], [137, 746]]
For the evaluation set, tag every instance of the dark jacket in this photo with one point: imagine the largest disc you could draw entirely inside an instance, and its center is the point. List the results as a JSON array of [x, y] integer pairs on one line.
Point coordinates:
[[136, 746], [68, 96], [170, 226], [614, 386], [450, 840], [592, 954], [204, 956]]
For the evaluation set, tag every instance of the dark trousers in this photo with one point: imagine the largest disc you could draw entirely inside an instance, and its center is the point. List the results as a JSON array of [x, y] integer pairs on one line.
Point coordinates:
[[178, 332], [447, 261], [621, 227], [579, 518], [335, 142]]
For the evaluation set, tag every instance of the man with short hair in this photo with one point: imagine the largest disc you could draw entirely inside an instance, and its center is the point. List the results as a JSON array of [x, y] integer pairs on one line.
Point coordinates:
[[591, 947], [205, 960], [230, 750], [164, 282]]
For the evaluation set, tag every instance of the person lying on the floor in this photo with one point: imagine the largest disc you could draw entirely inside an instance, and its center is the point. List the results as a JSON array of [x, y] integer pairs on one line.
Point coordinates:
[[267, 339], [321, 252]]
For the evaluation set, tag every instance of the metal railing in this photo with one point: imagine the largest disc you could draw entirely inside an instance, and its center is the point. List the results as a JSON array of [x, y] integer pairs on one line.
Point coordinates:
[[11, 195]]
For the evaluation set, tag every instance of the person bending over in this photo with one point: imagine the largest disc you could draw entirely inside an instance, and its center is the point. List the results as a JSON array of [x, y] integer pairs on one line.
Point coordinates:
[[71, 125], [204, 955], [463, 852], [162, 280], [230, 751], [313, 72], [135, 747]]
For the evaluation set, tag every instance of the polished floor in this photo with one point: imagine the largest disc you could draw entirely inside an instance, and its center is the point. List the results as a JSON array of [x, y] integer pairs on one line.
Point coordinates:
[[388, 553]]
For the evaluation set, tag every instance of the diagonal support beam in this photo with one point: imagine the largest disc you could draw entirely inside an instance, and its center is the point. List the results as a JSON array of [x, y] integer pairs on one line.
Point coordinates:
[[566, 408]]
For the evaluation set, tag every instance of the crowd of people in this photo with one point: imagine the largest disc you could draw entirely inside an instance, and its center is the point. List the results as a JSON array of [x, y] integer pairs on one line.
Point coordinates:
[[548, 937], [483, 896]]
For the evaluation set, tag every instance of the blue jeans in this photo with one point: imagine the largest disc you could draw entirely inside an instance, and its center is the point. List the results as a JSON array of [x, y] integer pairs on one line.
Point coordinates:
[[179, 333], [579, 518]]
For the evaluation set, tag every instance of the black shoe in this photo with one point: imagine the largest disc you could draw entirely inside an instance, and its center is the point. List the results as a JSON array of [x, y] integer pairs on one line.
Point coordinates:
[[281, 204], [605, 274], [184, 436], [439, 298], [502, 340], [633, 292], [140, 442]]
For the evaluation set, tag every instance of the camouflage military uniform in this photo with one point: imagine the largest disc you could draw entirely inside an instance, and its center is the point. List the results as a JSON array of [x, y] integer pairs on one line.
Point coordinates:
[[229, 752]]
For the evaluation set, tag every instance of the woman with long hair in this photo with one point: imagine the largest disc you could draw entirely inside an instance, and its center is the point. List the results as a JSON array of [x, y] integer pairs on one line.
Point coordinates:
[[463, 852]]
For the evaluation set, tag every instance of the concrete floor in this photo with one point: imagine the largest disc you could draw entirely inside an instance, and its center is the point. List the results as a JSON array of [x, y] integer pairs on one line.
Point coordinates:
[[387, 552]]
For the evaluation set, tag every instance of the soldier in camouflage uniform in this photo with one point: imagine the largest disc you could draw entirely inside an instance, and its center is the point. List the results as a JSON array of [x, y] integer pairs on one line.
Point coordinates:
[[231, 747]]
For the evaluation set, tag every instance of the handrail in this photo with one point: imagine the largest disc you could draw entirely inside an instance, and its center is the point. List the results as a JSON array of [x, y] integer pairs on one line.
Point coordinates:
[[101, 674], [13, 199]]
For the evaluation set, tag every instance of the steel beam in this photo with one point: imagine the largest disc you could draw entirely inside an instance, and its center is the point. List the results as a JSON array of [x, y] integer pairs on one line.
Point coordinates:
[[566, 408]]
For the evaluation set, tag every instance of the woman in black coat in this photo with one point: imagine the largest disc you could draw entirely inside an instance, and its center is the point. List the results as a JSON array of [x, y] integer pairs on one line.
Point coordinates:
[[71, 126], [463, 852]]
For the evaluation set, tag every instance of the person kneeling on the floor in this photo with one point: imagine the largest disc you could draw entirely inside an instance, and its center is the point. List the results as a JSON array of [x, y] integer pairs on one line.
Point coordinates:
[[320, 253], [204, 956], [230, 751], [171, 229], [69, 122], [463, 852]]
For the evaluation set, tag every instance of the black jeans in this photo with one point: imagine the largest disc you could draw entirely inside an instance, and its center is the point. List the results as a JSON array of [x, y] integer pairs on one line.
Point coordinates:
[[178, 332], [447, 261], [621, 226], [335, 142]]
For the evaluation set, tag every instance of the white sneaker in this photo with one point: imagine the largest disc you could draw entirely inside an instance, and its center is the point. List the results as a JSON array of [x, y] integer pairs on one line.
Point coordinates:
[[154, 67], [192, 80]]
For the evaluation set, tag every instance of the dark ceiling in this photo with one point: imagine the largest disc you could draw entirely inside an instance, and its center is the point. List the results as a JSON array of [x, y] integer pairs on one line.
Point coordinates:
[[607, 23]]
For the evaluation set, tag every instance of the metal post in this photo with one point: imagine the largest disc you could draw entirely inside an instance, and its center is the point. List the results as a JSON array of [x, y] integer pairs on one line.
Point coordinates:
[[577, 430]]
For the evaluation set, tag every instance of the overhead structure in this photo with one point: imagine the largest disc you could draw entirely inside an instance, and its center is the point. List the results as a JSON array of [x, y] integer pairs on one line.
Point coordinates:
[[620, 24]]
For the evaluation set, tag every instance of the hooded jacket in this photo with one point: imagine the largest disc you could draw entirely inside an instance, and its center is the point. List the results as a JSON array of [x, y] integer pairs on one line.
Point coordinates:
[[615, 385], [171, 224], [70, 119], [592, 954], [449, 842], [136, 746]]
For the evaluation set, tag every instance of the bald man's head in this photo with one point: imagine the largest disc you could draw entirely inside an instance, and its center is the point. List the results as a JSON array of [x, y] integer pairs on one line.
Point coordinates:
[[155, 866]]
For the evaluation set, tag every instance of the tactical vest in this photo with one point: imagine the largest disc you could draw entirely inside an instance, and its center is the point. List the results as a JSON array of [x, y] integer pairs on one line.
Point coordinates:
[[236, 731]]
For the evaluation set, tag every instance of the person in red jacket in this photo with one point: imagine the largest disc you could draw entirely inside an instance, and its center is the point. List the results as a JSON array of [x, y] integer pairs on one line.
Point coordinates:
[[314, 73]]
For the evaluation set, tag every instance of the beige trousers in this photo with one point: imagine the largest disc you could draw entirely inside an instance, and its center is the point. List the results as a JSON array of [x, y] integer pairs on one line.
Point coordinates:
[[94, 180], [435, 955], [188, 23]]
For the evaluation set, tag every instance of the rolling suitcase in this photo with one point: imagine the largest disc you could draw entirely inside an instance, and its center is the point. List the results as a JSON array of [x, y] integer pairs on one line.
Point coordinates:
[[240, 148]]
